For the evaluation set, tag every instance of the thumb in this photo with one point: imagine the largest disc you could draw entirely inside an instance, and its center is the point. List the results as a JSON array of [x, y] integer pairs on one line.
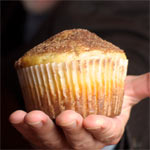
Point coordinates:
[[137, 87], [106, 130]]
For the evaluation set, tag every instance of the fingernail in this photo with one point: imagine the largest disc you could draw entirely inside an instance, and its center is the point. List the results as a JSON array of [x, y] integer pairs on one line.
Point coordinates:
[[69, 125], [35, 124]]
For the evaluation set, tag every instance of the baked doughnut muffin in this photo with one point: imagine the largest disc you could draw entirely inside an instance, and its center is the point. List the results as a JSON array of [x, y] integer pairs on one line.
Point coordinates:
[[74, 69]]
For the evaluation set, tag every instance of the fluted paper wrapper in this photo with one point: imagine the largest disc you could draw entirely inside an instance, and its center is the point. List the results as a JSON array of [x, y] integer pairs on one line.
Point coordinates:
[[93, 86]]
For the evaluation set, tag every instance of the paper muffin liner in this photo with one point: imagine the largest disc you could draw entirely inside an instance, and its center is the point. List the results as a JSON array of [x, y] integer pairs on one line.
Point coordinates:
[[94, 86]]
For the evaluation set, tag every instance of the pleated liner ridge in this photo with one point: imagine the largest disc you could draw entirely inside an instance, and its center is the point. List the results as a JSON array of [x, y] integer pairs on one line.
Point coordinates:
[[93, 86]]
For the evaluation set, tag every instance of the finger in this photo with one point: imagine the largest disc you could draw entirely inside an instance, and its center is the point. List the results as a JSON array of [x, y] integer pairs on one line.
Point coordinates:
[[17, 117], [137, 87], [77, 136], [44, 130], [17, 120], [104, 129]]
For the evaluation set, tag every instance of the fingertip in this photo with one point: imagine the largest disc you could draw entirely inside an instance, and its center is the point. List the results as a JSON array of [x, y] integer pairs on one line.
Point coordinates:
[[67, 117], [17, 117], [35, 116]]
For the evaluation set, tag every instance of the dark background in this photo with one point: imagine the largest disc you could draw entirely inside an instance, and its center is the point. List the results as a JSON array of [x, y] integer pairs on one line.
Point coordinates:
[[124, 23]]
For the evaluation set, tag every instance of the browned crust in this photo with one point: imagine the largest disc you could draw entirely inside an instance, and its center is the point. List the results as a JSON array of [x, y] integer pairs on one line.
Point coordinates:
[[74, 40], [70, 40]]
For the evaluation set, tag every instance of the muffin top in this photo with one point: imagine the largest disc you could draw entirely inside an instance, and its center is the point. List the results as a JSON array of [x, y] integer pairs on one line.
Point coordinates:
[[69, 45]]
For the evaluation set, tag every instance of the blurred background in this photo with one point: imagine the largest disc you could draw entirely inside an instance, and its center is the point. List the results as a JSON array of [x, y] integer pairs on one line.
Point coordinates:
[[26, 23]]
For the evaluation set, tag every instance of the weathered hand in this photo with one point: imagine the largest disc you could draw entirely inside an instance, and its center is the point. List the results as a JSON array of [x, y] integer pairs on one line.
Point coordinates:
[[74, 132]]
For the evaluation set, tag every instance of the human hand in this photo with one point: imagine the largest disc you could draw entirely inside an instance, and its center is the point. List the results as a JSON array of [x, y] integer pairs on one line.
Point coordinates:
[[74, 132]]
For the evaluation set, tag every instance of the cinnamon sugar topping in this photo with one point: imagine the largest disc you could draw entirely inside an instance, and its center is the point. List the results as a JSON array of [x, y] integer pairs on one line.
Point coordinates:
[[73, 41]]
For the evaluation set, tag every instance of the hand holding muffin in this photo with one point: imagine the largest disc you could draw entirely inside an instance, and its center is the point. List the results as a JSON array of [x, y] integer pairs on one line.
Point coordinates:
[[77, 79], [93, 132]]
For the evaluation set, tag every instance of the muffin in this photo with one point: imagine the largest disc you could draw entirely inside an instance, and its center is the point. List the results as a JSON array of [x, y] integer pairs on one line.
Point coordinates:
[[73, 70]]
